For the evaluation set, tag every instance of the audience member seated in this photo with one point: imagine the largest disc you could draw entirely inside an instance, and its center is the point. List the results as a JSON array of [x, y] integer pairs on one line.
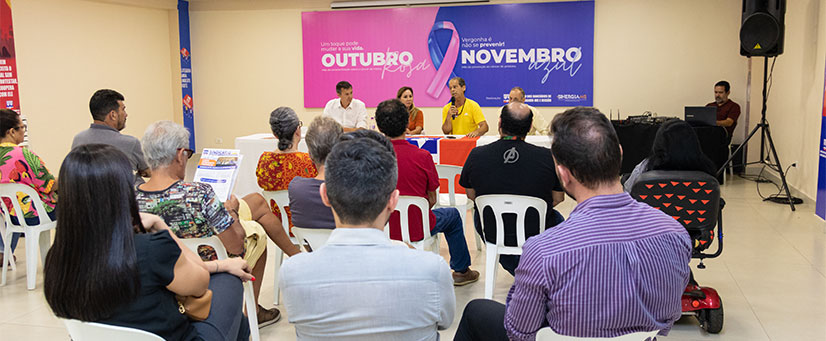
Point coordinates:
[[417, 177], [108, 264], [676, 147], [108, 119], [415, 124], [360, 286], [307, 209], [21, 165], [512, 166], [192, 210], [616, 266], [276, 169]]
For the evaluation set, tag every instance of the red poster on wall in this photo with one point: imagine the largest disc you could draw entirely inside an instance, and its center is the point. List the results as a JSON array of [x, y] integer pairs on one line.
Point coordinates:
[[9, 98]]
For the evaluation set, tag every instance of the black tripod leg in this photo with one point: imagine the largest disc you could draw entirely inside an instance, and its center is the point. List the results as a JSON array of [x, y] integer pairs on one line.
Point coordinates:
[[733, 154], [779, 167]]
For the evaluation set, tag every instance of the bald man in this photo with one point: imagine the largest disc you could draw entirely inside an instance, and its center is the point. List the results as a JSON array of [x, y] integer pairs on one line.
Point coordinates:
[[538, 126], [513, 166]]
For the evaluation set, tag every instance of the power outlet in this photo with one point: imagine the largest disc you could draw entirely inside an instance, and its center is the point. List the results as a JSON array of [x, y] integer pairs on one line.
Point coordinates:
[[219, 141]]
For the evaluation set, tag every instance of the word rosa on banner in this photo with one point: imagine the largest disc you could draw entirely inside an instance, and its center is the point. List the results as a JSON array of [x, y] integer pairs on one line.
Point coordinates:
[[367, 59]]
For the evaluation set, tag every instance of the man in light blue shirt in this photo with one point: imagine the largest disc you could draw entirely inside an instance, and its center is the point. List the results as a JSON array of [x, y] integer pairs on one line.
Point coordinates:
[[360, 286]]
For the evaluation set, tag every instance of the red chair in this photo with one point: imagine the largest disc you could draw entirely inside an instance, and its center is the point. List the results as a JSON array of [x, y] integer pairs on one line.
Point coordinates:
[[693, 199]]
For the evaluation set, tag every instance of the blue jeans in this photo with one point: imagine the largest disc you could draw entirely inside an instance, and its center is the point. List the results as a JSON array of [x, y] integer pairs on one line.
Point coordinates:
[[226, 320], [449, 222], [16, 236]]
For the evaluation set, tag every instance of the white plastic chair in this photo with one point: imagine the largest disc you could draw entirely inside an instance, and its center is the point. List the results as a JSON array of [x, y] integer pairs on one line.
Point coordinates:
[[91, 331], [282, 199], [34, 234], [317, 238], [500, 204], [548, 334], [453, 199], [429, 242], [249, 294]]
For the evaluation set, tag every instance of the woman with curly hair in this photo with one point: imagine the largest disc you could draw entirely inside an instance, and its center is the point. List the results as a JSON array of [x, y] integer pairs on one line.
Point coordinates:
[[21, 165]]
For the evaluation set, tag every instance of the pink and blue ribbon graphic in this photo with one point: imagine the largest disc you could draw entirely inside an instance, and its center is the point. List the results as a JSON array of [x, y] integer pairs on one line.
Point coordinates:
[[444, 63]]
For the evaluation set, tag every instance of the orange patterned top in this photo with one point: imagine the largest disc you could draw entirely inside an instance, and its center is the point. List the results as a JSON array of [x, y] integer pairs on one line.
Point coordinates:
[[276, 170]]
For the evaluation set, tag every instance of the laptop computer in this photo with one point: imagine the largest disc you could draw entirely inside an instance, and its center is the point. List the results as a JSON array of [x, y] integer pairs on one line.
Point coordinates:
[[701, 116]]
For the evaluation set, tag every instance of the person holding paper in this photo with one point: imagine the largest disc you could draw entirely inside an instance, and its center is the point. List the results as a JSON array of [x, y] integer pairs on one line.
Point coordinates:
[[192, 210], [465, 114]]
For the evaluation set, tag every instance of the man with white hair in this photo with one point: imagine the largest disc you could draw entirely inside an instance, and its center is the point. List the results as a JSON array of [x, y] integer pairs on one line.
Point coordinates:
[[192, 210]]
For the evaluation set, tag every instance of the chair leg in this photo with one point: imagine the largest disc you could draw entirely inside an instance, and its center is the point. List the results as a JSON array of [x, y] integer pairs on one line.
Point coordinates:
[[279, 257], [45, 244], [32, 241], [491, 264], [7, 256], [252, 318]]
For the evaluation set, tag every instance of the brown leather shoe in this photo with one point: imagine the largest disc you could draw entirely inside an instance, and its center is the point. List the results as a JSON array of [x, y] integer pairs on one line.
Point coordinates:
[[463, 278], [267, 317]]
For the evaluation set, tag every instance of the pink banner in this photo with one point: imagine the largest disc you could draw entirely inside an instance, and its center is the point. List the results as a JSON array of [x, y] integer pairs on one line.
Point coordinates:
[[387, 51]]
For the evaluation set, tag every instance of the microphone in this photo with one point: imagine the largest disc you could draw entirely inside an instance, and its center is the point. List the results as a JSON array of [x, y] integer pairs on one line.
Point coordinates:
[[453, 104]]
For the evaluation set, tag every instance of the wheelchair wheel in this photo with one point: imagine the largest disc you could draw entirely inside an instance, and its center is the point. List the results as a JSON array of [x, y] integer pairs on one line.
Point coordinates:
[[712, 319]]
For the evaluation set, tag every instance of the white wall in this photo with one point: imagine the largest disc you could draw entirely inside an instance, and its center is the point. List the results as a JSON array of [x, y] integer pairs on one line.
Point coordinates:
[[67, 49]]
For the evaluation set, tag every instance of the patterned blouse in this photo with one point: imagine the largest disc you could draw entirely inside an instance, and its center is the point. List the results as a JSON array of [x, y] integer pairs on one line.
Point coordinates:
[[191, 210], [22, 166], [276, 170]]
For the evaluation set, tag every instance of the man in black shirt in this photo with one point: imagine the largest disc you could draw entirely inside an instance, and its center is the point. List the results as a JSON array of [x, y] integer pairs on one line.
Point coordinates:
[[513, 166]]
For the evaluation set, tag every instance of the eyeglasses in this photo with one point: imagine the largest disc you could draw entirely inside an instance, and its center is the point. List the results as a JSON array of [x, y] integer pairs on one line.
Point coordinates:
[[187, 150], [22, 127]]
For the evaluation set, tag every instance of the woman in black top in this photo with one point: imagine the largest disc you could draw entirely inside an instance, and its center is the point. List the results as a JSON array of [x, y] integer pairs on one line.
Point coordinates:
[[112, 265], [676, 147]]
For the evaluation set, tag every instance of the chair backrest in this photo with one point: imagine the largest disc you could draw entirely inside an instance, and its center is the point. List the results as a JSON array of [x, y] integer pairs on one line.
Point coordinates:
[[450, 173], [315, 237], [10, 190], [548, 334], [282, 200], [91, 331], [403, 207], [692, 198], [515, 204], [214, 242]]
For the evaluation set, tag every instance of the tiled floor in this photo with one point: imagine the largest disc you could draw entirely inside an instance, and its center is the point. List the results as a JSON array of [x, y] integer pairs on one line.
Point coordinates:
[[771, 276]]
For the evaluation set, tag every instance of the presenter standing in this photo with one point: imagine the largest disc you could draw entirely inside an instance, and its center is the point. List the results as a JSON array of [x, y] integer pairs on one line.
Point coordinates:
[[466, 116], [347, 111]]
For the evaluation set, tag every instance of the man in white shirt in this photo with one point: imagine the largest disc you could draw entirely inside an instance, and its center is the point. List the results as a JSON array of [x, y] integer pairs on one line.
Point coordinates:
[[347, 111], [360, 286]]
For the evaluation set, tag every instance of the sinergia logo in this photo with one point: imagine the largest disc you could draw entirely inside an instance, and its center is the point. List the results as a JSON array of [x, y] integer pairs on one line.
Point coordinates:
[[511, 155], [571, 97]]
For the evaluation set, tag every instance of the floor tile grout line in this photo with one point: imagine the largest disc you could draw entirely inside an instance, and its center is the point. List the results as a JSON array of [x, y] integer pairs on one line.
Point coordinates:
[[751, 307]]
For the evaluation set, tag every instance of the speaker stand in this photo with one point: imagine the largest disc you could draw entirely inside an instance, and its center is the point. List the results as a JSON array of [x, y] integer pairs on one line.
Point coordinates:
[[765, 134]]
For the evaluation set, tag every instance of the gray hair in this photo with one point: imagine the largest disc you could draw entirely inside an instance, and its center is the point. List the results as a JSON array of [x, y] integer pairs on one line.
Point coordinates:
[[322, 135], [161, 141], [284, 122]]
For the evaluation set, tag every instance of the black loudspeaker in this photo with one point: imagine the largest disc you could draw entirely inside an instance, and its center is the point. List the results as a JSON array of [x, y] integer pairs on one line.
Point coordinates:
[[763, 27]]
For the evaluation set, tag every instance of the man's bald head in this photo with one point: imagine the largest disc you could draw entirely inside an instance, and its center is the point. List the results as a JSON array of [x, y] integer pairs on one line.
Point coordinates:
[[516, 119]]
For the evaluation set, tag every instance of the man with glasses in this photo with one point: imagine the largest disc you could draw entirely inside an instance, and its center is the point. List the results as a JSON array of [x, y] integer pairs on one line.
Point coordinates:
[[109, 118]]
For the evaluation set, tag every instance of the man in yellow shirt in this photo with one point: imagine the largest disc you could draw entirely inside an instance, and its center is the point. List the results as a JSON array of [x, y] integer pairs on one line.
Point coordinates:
[[466, 115]]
